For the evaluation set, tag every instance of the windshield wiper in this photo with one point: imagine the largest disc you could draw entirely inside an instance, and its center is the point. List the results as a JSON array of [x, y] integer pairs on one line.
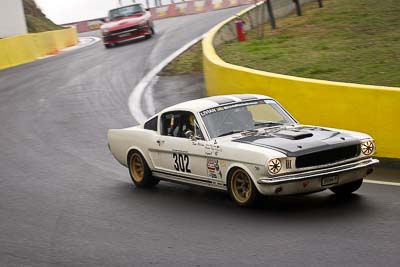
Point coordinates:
[[230, 132]]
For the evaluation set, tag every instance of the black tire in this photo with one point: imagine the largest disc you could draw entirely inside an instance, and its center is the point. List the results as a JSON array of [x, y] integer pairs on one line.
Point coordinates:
[[139, 171], [107, 46], [148, 36], [242, 189], [347, 189]]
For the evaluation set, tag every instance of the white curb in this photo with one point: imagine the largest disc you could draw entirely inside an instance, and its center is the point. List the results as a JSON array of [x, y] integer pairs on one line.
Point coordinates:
[[135, 99]]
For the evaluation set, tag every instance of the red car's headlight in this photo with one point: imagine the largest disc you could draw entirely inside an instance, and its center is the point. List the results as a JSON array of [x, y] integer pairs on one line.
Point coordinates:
[[104, 31]]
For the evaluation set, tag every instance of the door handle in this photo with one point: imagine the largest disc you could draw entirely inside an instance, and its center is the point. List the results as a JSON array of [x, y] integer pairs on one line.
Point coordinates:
[[160, 142]]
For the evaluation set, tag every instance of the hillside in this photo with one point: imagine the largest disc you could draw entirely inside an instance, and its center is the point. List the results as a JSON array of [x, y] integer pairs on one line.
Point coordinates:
[[36, 21]]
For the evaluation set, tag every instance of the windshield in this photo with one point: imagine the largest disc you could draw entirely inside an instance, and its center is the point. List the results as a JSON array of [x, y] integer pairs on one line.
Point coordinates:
[[244, 116], [124, 11]]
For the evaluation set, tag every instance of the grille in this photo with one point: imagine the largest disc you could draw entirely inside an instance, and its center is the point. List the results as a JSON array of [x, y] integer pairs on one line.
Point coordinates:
[[288, 164], [124, 30], [327, 156]]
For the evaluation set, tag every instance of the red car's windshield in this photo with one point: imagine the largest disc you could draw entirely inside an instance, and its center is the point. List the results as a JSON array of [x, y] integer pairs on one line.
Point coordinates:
[[125, 11]]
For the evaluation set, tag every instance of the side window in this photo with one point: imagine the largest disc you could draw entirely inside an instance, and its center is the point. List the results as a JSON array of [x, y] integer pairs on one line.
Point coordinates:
[[197, 131], [178, 123], [151, 124]]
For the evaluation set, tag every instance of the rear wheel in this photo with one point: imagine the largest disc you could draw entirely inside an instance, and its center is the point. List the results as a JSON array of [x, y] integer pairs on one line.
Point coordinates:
[[107, 46], [140, 171], [242, 189], [347, 189]]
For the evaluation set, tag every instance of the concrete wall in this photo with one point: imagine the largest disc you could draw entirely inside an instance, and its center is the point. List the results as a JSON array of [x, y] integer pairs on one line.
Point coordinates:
[[371, 109], [12, 18]]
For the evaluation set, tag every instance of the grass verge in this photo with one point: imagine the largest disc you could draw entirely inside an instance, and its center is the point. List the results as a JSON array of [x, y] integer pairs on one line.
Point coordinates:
[[350, 41], [189, 62]]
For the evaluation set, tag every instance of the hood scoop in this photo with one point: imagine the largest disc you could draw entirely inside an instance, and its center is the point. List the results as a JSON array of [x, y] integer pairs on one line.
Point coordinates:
[[293, 134]]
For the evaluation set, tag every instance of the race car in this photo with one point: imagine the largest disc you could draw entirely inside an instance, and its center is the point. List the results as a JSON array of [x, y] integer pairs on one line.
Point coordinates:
[[125, 24], [246, 144]]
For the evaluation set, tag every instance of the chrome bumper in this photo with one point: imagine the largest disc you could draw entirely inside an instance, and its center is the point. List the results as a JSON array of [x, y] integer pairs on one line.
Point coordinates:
[[318, 173]]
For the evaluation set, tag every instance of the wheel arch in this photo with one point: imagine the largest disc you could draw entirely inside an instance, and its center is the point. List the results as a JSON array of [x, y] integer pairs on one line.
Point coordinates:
[[242, 166], [145, 155]]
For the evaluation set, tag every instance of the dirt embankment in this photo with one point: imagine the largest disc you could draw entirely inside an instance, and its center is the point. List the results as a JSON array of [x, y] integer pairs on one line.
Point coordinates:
[[36, 20]]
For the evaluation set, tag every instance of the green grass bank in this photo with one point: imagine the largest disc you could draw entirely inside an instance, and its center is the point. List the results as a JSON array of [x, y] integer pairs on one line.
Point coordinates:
[[354, 41], [36, 21]]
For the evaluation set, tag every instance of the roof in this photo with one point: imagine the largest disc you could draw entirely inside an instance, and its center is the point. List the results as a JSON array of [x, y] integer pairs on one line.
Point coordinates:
[[214, 101], [122, 6]]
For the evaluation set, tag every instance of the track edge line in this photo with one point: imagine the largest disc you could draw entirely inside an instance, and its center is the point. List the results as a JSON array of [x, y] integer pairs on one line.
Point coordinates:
[[135, 98]]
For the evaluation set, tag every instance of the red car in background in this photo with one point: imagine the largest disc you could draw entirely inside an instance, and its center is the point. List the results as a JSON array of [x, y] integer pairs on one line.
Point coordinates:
[[127, 23]]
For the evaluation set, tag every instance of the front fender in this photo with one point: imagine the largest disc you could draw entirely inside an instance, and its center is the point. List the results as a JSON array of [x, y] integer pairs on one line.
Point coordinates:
[[241, 166]]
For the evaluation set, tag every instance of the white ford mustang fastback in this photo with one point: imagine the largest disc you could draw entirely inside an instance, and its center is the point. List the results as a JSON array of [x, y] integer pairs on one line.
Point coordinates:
[[246, 144]]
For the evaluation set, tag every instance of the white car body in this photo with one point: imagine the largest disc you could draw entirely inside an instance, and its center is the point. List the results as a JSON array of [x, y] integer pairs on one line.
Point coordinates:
[[208, 162]]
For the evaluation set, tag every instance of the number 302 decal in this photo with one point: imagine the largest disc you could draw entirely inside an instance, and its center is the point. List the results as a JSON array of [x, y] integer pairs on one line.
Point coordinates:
[[182, 162]]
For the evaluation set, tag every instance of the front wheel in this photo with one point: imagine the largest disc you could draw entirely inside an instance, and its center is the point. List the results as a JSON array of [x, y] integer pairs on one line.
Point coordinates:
[[242, 189], [347, 189], [140, 171]]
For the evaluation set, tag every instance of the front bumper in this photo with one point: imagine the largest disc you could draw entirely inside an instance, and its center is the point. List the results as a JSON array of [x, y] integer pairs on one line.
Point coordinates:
[[125, 36], [312, 181]]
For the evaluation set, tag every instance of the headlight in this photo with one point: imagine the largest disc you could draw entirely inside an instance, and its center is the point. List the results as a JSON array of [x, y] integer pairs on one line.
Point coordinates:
[[143, 22], [368, 147], [274, 166], [104, 31]]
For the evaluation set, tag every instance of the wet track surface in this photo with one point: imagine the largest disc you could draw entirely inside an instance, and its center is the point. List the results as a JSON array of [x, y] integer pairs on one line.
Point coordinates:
[[65, 201]]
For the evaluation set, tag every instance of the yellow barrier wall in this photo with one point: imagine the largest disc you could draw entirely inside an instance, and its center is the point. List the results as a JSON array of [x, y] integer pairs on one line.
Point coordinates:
[[46, 43], [28, 47], [21, 49], [4, 59], [371, 109]]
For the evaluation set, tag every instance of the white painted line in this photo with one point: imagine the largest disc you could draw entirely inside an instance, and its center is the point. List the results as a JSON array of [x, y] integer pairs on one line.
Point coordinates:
[[151, 109], [135, 99], [381, 182], [83, 42]]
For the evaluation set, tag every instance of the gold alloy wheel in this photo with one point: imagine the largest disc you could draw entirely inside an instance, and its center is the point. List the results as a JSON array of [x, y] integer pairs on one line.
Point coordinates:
[[137, 167], [241, 186]]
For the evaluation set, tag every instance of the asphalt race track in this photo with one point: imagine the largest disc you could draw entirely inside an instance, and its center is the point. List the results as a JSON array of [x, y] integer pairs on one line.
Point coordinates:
[[65, 201]]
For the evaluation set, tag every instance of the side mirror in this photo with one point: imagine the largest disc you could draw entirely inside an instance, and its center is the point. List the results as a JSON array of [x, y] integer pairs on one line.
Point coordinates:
[[147, 9]]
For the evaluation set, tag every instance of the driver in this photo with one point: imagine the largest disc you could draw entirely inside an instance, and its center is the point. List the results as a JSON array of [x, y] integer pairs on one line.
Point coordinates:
[[189, 125]]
